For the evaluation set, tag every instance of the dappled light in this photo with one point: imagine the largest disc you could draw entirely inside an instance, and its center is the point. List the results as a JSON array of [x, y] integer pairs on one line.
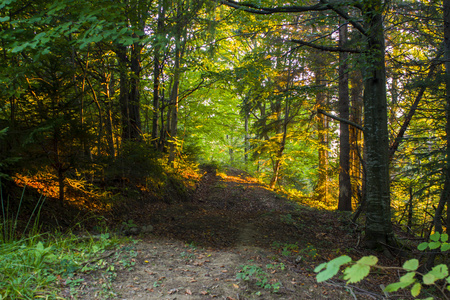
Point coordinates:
[[77, 191], [226, 149]]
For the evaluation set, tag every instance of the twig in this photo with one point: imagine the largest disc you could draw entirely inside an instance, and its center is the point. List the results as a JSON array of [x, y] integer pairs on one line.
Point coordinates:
[[359, 290]]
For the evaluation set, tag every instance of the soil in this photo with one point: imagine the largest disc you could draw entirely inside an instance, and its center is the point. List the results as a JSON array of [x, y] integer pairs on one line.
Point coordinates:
[[208, 246]]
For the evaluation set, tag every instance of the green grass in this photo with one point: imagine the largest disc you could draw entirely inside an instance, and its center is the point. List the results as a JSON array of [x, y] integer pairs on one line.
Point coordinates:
[[34, 265]]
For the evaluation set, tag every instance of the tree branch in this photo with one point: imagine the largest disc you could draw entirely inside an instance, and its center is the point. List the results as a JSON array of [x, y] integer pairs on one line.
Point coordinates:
[[345, 16], [255, 9], [325, 48], [321, 111], [393, 148]]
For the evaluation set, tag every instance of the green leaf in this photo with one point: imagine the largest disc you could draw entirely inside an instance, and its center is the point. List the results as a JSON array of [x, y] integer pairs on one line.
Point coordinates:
[[411, 265], [320, 267], [415, 290], [444, 237], [4, 19], [393, 287], [332, 267], [422, 246], [405, 281], [360, 270], [435, 236], [439, 271], [434, 245], [445, 247], [19, 48], [408, 277], [356, 273], [40, 246], [429, 278], [368, 260]]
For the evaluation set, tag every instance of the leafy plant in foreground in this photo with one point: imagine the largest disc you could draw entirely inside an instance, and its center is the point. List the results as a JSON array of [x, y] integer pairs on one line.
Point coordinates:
[[357, 271]]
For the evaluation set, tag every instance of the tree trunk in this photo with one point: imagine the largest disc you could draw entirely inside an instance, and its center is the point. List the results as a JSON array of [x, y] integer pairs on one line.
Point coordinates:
[[281, 147], [129, 91], [135, 96], [322, 128], [345, 187], [174, 100], [445, 195], [356, 136], [376, 140], [157, 72]]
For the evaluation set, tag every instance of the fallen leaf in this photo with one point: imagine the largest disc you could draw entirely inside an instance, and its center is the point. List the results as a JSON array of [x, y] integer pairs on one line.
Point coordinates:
[[235, 286], [188, 292], [204, 293]]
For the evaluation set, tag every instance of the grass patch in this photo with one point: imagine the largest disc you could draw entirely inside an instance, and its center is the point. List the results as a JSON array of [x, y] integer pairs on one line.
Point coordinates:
[[37, 267]]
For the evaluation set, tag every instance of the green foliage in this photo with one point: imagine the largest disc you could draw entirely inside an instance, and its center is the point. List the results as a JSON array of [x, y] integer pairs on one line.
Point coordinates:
[[437, 241], [360, 269], [252, 272], [331, 268], [357, 271], [6, 162], [136, 162], [31, 266], [9, 231]]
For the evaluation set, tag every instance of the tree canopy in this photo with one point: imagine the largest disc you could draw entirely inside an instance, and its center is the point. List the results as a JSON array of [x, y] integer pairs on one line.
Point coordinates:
[[330, 102]]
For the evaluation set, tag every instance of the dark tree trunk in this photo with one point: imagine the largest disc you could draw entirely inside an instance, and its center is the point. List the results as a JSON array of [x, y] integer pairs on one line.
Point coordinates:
[[345, 187], [322, 135], [376, 140], [445, 195], [174, 100], [356, 137], [130, 91], [157, 73]]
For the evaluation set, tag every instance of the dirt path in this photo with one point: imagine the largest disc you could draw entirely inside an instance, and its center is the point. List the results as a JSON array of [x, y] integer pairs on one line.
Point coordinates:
[[233, 240]]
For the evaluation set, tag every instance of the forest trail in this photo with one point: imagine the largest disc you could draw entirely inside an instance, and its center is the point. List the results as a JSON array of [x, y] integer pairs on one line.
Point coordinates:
[[231, 225]]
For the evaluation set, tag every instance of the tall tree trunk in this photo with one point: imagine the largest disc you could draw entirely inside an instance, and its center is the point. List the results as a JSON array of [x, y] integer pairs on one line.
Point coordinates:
[[157, 73], [376, 140], [130, 91], [322, 135], [174, 99], [356, 136], [124, 91], [281, 147], [447, 102], [135, 96], [109, 93], [445, 195], [345, 187]]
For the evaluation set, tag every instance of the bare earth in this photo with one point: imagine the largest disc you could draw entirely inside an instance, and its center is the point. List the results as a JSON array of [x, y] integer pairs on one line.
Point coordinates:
[[231, 227]]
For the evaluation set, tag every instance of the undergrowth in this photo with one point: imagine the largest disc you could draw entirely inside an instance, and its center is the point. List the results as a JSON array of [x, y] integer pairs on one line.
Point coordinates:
[[35, 265]]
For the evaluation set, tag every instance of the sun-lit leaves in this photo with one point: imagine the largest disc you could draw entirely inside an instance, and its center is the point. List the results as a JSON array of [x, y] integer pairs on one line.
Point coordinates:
[[360, 269], [411, 265], [331, 268]]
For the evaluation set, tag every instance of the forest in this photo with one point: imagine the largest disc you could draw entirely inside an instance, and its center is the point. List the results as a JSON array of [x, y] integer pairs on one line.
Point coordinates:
[[111, 110]]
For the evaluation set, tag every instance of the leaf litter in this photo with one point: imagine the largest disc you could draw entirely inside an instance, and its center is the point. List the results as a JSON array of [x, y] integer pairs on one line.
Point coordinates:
[[230, 226]]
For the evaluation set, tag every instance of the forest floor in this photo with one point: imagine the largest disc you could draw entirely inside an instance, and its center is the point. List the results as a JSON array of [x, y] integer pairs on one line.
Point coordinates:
[[233, 239]]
